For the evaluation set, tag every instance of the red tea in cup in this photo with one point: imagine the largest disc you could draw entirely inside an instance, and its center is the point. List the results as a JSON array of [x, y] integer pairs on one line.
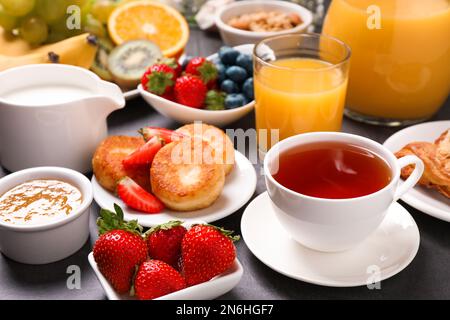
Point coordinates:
[[332, 170]]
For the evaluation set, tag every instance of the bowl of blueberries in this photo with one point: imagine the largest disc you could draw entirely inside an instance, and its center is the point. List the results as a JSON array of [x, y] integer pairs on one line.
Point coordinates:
[[217, 89]]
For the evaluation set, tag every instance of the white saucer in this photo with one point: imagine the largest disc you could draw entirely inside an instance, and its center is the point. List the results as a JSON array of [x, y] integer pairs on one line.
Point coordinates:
[[239, 187], [387, 251], [423, 199]]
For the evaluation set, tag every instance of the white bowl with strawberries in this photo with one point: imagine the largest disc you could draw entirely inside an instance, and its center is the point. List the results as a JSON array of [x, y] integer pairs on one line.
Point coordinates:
[[195, 91], [172, 261]]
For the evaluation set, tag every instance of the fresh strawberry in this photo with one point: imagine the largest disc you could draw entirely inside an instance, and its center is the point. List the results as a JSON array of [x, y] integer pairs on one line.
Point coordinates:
[[137, 198], [165, 134], [205, 69], [145, 154], [155, 279], [190, 91], [159, 79], [164, 242], [173, 63], [119, 249], [206, 251]]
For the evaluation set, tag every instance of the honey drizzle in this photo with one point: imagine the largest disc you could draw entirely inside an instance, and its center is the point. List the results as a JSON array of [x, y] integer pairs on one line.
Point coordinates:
[[53, 194]]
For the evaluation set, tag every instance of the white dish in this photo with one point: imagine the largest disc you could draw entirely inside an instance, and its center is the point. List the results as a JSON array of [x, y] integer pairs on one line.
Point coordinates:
[[240, 185], [429, 201], [184, 114], [130, 94], [204, 291], [389, 250], [233, 36], [52, 241]]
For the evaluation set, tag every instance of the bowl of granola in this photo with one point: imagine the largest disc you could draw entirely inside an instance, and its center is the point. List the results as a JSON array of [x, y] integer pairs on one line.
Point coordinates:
[[251, 21]]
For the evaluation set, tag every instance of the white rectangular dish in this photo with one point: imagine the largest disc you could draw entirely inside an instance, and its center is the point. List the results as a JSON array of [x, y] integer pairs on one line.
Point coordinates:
[[205, 291]]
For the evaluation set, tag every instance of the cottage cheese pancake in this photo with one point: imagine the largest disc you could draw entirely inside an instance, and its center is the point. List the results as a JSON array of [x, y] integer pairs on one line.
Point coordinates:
[[38, 202]]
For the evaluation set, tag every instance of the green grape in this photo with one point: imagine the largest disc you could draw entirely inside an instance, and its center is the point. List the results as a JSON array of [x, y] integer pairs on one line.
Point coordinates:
[[34, 30], [79, 3], [102, 9], [7, 22], [86, 10], [51, 10], [17, 8], [94, 26], [58, 31]]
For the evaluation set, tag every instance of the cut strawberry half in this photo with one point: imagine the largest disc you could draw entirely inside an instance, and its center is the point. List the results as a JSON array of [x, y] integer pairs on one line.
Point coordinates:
[[145, 154], [165, 134], [137, 198]]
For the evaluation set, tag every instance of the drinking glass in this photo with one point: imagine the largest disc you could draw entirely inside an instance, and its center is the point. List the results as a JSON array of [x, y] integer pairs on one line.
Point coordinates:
[[300, 85]]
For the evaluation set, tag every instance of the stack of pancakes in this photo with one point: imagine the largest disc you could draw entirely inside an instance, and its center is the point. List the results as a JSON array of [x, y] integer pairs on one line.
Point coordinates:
[[185, 175]]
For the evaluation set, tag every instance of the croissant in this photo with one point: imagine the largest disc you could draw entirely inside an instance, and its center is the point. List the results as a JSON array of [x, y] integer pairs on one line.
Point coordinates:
[[436, 157]]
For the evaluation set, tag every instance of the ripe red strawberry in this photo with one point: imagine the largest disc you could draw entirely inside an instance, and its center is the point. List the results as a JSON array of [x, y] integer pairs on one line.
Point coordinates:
[[190, 91], [164, 242], [155, 279], [145, 154], [159, 79], [206, 252], [173, 63], [137, 197], [205, 69], [165, 134], [119, 249]]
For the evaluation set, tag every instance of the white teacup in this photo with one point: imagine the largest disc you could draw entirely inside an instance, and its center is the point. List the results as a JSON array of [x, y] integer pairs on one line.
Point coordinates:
[[333, 225]]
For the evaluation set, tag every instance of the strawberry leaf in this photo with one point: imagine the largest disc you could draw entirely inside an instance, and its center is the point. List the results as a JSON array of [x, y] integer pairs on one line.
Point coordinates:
[[215, 100], [158, 82], [109, 221], [171, 62], [208, 71], [118, 210], [165, 226], [226, 233]]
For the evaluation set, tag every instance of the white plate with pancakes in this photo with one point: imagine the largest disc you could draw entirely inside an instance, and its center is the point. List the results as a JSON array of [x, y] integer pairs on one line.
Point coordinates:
[[239, 187]]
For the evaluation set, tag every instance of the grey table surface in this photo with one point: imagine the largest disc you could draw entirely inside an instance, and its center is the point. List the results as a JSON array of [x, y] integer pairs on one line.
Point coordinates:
[[428, 276]]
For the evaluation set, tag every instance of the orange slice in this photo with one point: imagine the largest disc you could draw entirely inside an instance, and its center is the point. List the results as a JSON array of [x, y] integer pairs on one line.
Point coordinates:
[[149, 20]]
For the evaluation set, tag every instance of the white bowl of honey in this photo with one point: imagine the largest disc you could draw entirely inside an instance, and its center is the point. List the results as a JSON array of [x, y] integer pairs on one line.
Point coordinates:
[[44, 214]]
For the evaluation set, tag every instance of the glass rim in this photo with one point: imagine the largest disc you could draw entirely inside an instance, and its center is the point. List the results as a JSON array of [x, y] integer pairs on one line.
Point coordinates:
[[348, 51]]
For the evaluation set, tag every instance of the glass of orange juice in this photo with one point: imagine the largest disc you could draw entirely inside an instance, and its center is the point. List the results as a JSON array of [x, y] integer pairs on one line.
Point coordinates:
[[300, 85], [400, 71]]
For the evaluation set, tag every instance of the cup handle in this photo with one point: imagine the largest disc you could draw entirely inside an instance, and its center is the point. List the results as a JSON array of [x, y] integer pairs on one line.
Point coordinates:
[[413, 178]]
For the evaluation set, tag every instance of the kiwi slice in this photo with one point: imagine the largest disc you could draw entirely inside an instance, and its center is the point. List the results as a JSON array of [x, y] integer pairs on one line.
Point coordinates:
[[128, 62], [100, 65]]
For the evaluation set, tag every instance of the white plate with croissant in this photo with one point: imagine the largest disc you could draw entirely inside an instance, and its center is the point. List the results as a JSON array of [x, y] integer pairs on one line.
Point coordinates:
[[429, 141]]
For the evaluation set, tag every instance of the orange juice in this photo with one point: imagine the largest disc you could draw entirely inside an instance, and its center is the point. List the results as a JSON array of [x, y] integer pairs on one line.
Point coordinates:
[[400, 70], [297, 95]]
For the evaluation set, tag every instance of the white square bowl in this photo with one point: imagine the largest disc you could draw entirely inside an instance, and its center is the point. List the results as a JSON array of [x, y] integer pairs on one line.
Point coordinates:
[[204, 291]]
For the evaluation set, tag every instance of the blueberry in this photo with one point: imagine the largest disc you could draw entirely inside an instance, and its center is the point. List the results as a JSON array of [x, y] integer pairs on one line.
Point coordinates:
[[234, 100], [237, 74], [221, 71], [228, 55], [247, 89], [229, 86], [245, 61]]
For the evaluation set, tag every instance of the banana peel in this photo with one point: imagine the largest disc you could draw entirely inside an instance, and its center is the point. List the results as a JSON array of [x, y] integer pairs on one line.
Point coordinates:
[[77, 51]]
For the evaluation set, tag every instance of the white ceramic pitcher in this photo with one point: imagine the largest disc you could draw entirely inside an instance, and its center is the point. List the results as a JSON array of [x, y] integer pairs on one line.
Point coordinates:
[[53, 115]]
